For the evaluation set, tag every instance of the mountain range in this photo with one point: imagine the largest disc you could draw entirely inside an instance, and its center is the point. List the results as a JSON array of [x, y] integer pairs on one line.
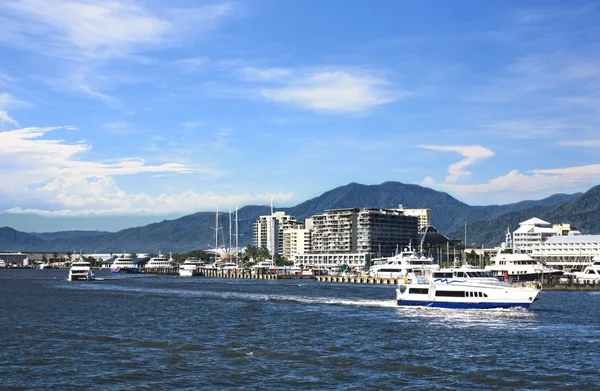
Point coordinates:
[[486, 225]]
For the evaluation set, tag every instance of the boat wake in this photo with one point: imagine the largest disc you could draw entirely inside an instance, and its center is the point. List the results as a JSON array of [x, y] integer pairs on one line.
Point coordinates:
[[240, 296]]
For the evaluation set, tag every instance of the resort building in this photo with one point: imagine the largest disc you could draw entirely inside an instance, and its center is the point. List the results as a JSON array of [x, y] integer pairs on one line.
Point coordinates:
[[268, 231], [530, 233], [424, 215], [377, 232]]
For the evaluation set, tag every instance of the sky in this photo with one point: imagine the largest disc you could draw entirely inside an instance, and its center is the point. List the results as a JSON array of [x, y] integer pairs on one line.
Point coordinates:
[[151, 108]]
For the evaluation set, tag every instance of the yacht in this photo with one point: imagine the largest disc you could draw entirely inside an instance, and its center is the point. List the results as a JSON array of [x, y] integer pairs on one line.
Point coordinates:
[[520, 267], [190, 267], [462, 288], [123, 265], [401, 264], [81, 271], [590, 274], [160, 262]]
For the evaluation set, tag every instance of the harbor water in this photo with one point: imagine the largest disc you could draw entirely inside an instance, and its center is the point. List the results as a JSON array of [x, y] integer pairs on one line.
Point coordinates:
[[148, 332]]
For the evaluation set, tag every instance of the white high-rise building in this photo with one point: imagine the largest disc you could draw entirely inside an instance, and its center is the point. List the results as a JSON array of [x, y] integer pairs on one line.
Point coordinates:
[[295, 241], [268, 231]]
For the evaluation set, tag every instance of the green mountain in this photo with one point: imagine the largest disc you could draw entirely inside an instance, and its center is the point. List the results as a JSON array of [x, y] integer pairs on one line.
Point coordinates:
[[582, 212], [196, 231]]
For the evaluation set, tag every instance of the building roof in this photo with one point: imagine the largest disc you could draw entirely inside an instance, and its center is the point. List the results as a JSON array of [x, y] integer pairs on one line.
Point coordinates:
[[535, 221], [573, 239], [528, 228]]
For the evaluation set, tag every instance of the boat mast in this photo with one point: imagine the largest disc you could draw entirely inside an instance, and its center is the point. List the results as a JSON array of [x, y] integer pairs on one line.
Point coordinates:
[[229, 229], [236, 235], [216, 232]]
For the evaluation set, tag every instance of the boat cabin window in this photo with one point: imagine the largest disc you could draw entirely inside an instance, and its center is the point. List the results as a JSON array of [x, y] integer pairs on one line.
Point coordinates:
[[419, 291], [450, 293], [460, 274], [443, 275]]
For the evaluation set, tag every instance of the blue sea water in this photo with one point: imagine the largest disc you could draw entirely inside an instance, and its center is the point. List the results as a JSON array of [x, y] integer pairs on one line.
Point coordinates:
[[167, 333]]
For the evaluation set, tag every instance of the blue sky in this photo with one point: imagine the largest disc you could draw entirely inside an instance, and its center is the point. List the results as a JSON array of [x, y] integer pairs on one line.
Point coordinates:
[[169, 108]]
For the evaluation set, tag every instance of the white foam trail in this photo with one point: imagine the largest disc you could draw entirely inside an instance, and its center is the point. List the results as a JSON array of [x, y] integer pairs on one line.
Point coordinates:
[[240, 295]]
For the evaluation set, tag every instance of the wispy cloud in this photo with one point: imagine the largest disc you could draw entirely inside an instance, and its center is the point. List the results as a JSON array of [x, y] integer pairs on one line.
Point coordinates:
[[472, 154], [98, 30], [6, 119], [593, 143]]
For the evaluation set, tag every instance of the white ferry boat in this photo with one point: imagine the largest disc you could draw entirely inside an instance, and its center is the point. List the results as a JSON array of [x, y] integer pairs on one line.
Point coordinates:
[[160, 263], [80, 271], [123, 265], [401, 264], [520, 267], [190, 267], [462, 288]]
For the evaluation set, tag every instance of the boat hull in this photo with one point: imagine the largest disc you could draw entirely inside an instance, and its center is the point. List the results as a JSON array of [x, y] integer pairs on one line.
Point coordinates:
[[459, 305], [121, 270]]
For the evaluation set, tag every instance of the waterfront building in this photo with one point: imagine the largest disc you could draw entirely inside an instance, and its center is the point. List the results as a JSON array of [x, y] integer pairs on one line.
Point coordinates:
[[373, 231], [568, 251], [268, 231], [295, 241], [16, 258], [424, 215]]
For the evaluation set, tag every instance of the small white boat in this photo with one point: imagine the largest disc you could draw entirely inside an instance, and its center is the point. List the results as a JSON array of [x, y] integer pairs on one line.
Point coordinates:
[[462, 288], [2, 264], [81, 271], [264, 267]]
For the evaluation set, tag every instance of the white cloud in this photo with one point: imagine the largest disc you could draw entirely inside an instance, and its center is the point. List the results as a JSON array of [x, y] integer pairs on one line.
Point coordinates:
[[98, 29], [331, 91], [86, 197], [28, 161], [472, 153], [515, 186]]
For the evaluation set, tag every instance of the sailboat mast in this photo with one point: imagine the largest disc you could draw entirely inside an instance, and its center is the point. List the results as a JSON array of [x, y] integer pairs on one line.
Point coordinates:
[[230, 229], [236, 234], [216, 232]]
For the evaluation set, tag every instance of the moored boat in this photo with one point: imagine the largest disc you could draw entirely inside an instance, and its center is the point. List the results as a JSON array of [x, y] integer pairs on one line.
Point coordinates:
[[462, 288], [123, 265], [520, 267], [401, 264]]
